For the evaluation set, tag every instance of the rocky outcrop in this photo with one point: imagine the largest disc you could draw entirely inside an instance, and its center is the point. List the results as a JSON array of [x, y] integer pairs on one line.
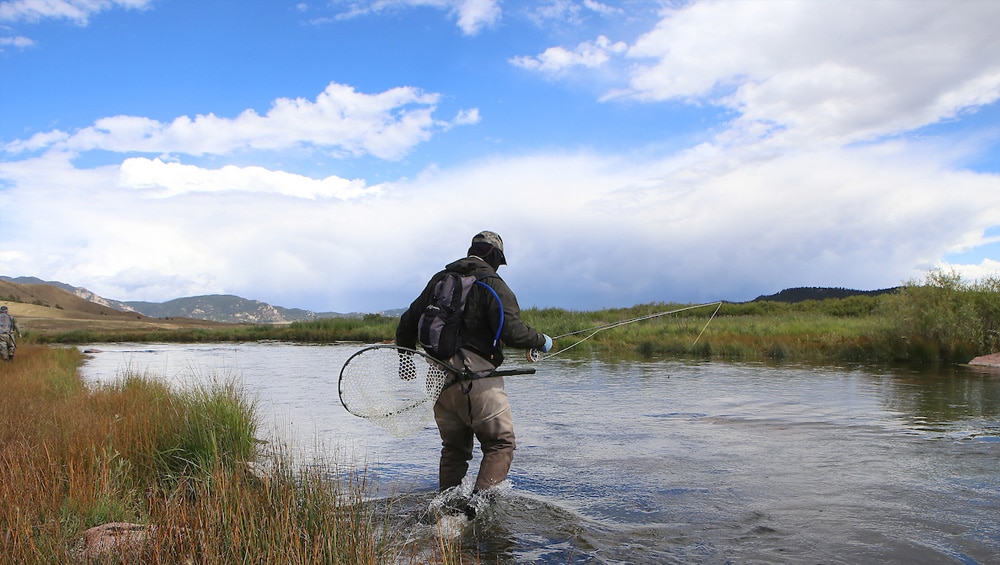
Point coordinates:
[[114, 539], [128, 542], [992, 360]]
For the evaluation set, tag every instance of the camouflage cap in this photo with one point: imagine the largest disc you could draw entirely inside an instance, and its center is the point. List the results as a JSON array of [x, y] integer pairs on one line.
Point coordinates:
[[493, 239]]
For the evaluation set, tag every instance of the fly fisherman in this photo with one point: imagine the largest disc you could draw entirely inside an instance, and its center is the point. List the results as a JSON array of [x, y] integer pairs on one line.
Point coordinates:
[[476, 408], [8, 325]]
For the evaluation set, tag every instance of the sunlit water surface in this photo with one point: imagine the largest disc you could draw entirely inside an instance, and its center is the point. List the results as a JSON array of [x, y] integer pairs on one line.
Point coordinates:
[[666, 462]]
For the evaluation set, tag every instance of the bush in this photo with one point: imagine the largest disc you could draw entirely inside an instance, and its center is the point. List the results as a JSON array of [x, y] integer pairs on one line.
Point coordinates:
[[945, 318]]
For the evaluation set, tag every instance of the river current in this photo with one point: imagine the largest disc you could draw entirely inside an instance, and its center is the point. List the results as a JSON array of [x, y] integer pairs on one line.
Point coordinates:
[[652, 462]]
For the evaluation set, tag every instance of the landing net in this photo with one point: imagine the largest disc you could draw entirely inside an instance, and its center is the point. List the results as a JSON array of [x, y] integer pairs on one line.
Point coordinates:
[[393, 387], [396, 387]]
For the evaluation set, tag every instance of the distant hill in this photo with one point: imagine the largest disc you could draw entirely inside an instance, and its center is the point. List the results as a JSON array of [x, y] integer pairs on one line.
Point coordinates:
[[74, 290], [230, 309], [227, 308], [800, 294], [48, 309], [224, 308], [54, 296]]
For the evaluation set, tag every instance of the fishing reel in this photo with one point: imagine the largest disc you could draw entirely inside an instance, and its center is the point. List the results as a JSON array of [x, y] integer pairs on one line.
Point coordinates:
[[533, 355]]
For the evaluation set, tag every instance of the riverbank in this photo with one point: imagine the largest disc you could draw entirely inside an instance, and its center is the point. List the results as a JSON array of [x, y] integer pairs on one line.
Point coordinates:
[[940, 320], [712, 461], [180, 475], [987, 361]]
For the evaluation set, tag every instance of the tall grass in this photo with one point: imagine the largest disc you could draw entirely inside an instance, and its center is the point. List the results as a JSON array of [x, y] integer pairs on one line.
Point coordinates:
[[945, 318], [940, 319], [184, 462], [369, 328]]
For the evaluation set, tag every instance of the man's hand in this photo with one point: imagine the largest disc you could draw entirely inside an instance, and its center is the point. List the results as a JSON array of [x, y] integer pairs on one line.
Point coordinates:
[[548, 344]]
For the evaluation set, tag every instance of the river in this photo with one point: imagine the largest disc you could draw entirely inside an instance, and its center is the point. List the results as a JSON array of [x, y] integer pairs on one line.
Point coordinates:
[[652, 462]]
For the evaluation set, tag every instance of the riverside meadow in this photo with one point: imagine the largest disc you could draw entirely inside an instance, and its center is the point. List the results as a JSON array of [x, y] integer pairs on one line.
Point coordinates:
[[190, 464]]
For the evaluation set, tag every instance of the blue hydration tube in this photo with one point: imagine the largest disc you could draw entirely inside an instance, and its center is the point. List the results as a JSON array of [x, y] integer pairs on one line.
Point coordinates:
[[496, 338]]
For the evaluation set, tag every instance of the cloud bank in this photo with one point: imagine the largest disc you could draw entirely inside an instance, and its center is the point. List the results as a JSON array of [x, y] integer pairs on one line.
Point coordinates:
[[826, 172]]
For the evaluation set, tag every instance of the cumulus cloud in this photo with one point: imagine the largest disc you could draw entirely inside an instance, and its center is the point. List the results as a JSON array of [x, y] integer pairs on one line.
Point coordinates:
[[474, 15], [583, 230], [76, 11], [165, 180], [808, 185], [470, 15], [568, 12], [386, 125], [833, 71], [555, 60], [18, 42]]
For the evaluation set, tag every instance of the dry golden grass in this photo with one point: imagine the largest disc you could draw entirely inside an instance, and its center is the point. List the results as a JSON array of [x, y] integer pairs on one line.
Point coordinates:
[[177, 466]]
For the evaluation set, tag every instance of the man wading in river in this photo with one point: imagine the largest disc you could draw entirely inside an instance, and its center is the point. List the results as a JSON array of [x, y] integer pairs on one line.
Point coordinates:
[[8, 326], [476, 408]]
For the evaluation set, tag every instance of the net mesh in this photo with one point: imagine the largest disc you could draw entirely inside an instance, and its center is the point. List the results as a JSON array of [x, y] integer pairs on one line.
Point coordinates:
[[393, 387]]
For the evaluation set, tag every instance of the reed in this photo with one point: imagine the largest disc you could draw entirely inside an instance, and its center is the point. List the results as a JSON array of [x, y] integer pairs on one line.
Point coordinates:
[[940, 319], [184, 463], [945, 318]]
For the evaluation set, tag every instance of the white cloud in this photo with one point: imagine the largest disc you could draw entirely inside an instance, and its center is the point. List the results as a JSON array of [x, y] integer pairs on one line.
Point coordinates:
[[470, 15], [18, 42], [785, 197], [568, 12], [386, 125], [977, 272], [173, 179], [466, 117], [474, 15], [77, 11], [582, 230], [588, 54], [829, 71]]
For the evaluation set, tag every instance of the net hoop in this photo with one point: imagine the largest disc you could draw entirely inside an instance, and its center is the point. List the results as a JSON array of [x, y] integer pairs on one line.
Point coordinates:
[[396, 387]]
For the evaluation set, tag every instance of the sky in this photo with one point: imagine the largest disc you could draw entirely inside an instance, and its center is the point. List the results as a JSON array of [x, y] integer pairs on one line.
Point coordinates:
[[333, 155]]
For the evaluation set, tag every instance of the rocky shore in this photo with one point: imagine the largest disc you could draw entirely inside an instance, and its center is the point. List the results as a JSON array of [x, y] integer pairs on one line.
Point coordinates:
[[992, 360]]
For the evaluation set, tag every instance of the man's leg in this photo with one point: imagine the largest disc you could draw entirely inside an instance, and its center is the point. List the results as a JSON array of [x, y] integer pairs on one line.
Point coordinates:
[[456, 436], [494, 427], [496, 437]]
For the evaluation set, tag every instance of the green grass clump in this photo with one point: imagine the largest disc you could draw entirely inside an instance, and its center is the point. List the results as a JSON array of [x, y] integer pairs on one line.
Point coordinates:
[[940, 319], [183, 464]]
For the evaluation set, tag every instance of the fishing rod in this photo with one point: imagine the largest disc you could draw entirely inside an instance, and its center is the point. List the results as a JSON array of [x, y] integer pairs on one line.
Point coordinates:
[[535, 356], [394, 386]]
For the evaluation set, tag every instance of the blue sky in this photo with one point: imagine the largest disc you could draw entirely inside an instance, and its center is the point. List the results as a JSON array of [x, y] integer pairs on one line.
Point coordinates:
[[333, 155]]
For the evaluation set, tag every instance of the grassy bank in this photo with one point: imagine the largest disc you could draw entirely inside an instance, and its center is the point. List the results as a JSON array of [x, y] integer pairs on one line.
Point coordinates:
[[941, 319], [73, 458]]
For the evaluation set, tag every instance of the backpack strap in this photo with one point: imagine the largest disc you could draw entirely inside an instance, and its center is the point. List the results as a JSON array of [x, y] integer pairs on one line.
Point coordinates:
[[496, 337]]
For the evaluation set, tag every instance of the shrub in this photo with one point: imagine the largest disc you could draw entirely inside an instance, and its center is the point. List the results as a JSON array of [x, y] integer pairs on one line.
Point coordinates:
[[945, 318]]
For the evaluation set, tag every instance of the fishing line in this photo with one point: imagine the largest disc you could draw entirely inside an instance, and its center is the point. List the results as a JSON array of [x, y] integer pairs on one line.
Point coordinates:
[[536, 357], [396, 387]]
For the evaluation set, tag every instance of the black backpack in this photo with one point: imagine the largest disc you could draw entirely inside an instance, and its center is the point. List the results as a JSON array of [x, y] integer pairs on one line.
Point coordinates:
[[439, 324]]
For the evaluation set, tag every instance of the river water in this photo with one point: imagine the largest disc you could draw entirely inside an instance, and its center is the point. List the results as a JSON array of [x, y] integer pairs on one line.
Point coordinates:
[[652, 462]]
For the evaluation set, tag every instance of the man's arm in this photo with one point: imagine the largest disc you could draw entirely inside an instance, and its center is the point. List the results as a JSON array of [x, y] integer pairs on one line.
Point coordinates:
[[406, 330], [515, 332]]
